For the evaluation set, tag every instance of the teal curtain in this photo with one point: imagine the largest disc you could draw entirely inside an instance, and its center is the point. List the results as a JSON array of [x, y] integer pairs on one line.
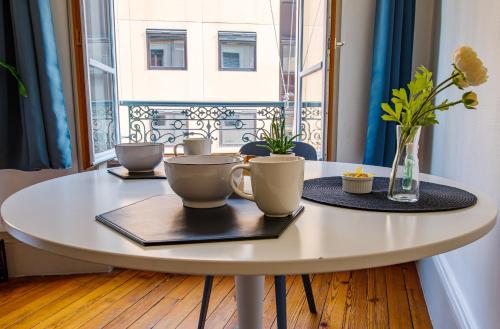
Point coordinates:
[[34, 130], [391, 68]]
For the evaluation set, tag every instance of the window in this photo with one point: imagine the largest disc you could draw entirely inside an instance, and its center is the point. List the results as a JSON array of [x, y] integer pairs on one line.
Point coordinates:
[[237, 51], [156, 57], [166, 49], [127, 98], [100, 71]]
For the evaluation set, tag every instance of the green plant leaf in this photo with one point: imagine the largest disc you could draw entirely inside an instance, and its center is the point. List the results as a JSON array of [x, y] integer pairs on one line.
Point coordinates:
[[387, 117], [399, 108], [388, 109], [277, 140], [20, 85]]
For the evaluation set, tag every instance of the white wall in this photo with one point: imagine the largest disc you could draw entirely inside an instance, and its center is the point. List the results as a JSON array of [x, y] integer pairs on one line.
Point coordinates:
[[35, 261], [357, 22], [466, 148]]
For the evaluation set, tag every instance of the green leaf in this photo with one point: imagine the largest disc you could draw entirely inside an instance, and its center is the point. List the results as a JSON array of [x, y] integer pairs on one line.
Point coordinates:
[[399, 109], [387, 117], [12, 70], [388, 109]]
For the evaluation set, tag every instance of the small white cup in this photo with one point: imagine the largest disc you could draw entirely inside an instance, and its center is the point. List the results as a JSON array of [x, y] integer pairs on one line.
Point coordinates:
[[195, 146], [277, 184]]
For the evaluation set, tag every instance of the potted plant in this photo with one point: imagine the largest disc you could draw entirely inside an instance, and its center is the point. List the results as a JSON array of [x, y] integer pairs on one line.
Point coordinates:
[[414, 107], [277, 141], [12, 70]]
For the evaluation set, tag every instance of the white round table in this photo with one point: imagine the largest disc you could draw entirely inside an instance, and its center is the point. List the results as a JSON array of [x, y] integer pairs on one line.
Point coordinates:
[[59, 216]]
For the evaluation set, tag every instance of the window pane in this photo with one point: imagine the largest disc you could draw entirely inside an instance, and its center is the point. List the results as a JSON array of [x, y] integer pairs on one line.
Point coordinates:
[[99, 33], [288, 56], [311, 110], [313, 32], [237, 50], [167, 49], [102, 106], [230, 60]]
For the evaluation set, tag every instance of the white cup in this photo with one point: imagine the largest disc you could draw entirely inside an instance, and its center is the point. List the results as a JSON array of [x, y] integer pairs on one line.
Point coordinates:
[[277, 184], [195, 146]]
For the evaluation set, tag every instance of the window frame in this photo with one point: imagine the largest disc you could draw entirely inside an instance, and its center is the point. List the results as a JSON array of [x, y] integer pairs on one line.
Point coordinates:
[[88, 62], [151, 32], [219, 50]]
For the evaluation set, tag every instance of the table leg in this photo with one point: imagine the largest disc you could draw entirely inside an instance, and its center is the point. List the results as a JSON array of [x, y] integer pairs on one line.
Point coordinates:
[[250, 298]]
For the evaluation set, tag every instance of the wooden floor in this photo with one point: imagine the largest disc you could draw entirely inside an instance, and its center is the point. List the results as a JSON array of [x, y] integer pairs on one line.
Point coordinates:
[[388, 297]]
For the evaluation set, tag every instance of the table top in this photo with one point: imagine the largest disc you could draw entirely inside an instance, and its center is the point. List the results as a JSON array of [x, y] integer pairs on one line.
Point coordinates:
[[59, 216]]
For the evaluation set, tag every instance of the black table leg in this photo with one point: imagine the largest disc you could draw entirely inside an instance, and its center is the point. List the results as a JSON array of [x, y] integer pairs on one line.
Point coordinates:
[[205, 301], [309, 293], [4, 273], [280, 289]]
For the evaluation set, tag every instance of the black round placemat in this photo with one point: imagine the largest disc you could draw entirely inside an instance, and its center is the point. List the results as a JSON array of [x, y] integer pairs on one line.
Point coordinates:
[[433, 197]]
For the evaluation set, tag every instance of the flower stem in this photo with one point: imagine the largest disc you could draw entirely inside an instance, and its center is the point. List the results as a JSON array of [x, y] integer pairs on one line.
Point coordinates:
[[405, 136], [433, 94]]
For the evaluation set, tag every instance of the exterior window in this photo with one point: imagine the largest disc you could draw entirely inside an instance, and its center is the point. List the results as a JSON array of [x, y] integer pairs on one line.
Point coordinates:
[[101, 78], [166, 49], [156, 59], [237, 51]]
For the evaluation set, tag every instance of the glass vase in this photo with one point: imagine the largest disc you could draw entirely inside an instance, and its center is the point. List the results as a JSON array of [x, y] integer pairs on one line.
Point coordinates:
[[404, 180]]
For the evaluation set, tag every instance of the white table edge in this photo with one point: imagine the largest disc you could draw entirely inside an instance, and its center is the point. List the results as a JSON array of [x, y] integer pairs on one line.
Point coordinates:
[[246, 267]]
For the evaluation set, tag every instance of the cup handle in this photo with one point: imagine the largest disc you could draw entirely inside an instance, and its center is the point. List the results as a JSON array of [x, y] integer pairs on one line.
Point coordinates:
[[175, 148], [236, 190]]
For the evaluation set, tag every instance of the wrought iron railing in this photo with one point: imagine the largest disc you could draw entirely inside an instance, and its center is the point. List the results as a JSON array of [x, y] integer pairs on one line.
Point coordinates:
[[103, 125], [231, 124]]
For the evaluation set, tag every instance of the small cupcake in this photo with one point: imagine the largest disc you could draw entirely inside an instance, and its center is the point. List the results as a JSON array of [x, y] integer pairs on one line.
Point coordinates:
[[357, 182]]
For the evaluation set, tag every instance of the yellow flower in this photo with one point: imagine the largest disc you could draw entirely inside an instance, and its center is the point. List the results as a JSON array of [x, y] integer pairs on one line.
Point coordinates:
[[473, 71], [470, 100]]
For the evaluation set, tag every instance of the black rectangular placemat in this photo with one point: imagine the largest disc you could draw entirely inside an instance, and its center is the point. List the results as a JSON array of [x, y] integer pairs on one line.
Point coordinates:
[[123, 173], [163, 220]]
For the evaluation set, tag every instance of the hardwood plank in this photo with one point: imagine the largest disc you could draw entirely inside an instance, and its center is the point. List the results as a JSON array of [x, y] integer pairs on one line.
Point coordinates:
[[120, 306], [184, 307], [418, 309], [233, 321], [68, 298], [336, 301], [168, 303], [68, 312], [320, 285], [133, 313], [186, 286], [33, 289], [389, 297], [85, 314], [36, 298], [219, 292], [17, 287], [377, 299], [397, 299], [356, 318], [223, 312]]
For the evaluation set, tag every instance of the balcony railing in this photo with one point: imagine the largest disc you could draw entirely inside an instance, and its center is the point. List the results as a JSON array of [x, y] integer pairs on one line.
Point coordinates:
[[229, 124]]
